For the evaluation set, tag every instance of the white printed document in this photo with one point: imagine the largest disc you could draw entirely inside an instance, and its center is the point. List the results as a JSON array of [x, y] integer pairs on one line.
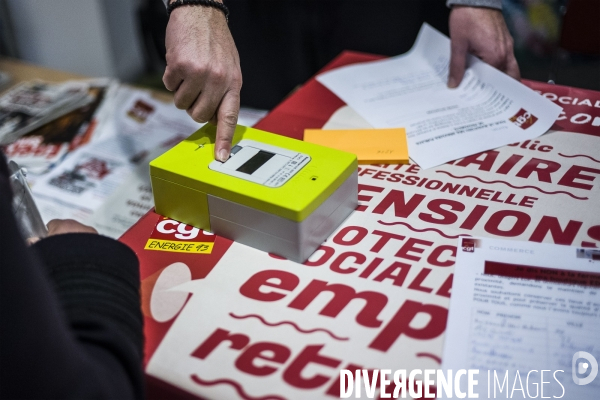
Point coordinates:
[[137, 126], [488, 109], [527, 316]]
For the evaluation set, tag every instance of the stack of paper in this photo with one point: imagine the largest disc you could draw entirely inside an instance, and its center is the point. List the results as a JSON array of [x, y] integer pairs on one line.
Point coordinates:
[[105, 183], [371, 146]]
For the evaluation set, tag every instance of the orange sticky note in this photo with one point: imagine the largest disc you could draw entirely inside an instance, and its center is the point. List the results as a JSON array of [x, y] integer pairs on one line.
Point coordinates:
[[371, 146]]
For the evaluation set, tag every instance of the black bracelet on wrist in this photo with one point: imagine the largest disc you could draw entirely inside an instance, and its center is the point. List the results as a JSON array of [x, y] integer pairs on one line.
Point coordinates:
[[205, 3]]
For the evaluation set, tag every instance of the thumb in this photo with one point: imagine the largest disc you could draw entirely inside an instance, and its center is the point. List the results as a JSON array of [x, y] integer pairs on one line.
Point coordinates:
[[227, 116], [458, 61]]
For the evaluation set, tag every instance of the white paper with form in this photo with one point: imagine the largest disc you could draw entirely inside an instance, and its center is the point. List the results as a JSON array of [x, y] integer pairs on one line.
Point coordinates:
[[488, 110], [518, 307]]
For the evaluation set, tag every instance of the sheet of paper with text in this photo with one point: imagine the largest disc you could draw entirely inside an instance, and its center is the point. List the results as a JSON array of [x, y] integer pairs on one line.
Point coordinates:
[[488, 110], [529, 314]]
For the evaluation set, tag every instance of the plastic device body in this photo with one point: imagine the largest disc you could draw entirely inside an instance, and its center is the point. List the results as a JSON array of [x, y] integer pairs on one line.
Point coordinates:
[[276, 194], [24, 208]]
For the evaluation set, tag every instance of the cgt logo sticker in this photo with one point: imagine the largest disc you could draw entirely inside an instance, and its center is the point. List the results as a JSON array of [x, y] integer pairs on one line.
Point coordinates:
[[468, 245], [174, 236], [523, 119]]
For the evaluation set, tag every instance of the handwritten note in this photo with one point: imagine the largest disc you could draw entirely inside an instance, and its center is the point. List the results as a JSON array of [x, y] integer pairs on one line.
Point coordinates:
[[371, 146]]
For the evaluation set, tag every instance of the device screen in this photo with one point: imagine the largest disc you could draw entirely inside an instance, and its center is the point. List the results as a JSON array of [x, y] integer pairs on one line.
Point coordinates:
[[254, 163], [261, 163]]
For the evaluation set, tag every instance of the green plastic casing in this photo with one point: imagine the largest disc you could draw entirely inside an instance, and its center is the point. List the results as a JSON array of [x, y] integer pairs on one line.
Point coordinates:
[[181, 179]]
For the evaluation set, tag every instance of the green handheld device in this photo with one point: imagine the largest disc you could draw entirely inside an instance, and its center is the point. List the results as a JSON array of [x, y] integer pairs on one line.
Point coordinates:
[[277, 194]]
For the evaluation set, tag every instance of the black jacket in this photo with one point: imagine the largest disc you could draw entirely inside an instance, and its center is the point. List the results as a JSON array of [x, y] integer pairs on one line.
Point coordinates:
[[70, 318]]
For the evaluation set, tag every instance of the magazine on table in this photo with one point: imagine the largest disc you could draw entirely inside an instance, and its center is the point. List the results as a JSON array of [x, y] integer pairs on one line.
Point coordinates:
[[42, 148], [31, 104]]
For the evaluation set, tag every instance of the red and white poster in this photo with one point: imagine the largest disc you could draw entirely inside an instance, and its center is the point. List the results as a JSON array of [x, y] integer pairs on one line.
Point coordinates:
[[239, 323]]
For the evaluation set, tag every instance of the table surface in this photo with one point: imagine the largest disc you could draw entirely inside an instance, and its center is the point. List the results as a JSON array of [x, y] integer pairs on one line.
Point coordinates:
[[21, 71]]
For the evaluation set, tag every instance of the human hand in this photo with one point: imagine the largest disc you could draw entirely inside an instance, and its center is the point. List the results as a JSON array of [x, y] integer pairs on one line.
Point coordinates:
[[60, 226], [203, 69], [483, 33]]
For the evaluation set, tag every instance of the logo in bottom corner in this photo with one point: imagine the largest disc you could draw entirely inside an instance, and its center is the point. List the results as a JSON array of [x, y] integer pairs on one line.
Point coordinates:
[[523, 119], [173, 236], [580, 368]]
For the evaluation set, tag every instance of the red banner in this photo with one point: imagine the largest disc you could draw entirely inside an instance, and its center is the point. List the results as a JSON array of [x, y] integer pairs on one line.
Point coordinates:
[[239, 323]]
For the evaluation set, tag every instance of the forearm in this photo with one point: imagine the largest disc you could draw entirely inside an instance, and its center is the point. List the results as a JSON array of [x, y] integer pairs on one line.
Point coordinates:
[[97, 283], [54, 342], [203, 68], [496, 4]]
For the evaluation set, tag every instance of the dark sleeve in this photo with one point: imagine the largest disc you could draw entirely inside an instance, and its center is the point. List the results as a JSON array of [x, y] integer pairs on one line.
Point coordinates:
[[70, 318]]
